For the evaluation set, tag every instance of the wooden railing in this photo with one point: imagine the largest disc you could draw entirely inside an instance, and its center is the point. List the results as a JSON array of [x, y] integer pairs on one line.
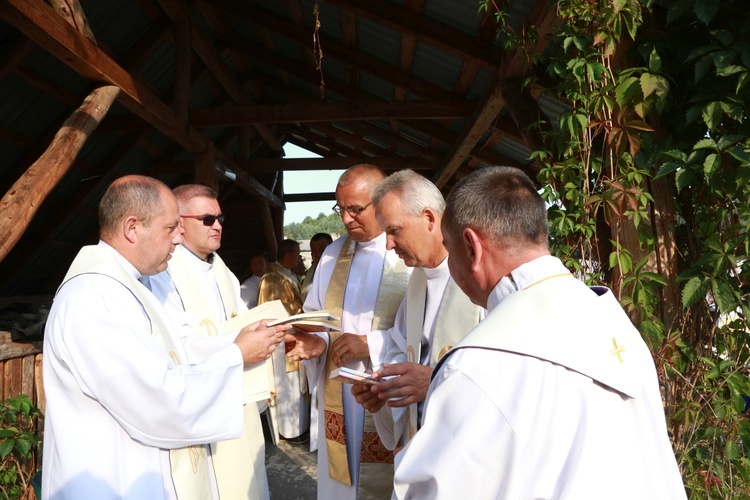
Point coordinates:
[[21, 365]]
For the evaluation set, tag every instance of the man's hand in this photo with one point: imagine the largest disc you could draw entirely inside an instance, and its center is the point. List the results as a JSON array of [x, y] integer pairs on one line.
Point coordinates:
[[410, 382], [258, 341], [307, 346], [349, 346], [368, 399]]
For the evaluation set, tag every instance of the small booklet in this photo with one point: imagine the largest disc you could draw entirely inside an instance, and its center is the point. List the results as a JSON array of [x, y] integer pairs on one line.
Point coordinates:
[[348, 375], [313, 321]]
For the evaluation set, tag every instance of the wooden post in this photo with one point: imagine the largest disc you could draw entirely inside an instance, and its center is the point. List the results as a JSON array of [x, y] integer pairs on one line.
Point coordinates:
[[24, 198]]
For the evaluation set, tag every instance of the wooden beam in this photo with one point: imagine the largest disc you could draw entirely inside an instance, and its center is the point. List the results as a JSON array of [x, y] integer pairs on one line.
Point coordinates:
[[265, 19], [482, 119], [328, 112], [71, 11], [390, 163], [224, 162], [183, 59], [291, 198], [40, 23], [205, 169], [423, 29], [26, 195]]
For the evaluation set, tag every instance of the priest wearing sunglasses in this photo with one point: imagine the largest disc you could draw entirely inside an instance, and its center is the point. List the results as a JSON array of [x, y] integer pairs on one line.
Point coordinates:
[[198, 283]]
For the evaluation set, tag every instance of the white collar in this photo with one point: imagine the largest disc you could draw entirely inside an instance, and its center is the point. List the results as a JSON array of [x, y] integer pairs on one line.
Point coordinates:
[[524, 276], [437, 272]]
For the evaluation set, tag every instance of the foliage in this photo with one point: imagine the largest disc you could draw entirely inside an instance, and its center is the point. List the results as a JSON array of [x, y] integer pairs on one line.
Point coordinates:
[[19, 446], [306, 229], [647, 180]]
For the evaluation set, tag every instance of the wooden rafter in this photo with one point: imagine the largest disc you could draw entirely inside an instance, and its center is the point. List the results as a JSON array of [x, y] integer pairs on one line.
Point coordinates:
[[402, 20], [328, 112]]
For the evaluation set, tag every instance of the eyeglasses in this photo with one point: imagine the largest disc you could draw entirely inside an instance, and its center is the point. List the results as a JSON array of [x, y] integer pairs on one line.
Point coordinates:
[[208, 220], [353, 211]]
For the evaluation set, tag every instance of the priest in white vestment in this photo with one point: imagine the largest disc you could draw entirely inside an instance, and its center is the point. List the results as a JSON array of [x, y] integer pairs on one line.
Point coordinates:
[[199, 285], [125, 409], [318, 243], [554, 394], [363, 283], [434, 315], [290, 394], [249, 288]]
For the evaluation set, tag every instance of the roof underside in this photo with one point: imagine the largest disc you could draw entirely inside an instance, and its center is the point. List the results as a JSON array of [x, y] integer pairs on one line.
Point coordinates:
[[420, 84]]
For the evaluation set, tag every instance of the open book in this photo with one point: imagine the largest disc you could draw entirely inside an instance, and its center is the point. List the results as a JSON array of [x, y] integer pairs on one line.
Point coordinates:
[[348, 375], [314, 321]]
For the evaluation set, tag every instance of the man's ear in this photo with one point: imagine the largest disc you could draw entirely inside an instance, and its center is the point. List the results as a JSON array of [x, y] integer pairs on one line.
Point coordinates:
[[129, 228], [474, 248], [431, 218]]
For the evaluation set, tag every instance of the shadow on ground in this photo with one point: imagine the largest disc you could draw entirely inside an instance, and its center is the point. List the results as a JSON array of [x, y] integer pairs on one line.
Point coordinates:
[[292, 470]]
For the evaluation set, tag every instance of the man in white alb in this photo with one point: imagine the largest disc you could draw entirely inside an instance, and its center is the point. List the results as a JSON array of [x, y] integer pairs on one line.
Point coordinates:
[[249, 287], [554, 394], [363, 283], [280, 283], [199, 285], [127, 415], [318, 243], [433, 317]]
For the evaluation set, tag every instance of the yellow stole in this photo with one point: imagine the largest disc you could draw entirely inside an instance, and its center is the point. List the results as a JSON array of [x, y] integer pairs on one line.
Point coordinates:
[[239, 473], [376, 469], [456, 317], [189, 465]]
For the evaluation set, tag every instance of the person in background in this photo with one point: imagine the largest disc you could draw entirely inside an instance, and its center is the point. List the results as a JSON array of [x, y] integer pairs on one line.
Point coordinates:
[[318, 243], [290, 400], [249, 287]]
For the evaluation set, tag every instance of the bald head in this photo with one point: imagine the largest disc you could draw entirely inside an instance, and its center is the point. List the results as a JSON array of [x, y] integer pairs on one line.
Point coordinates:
[[138, 217], [354, 201], [135, 195]]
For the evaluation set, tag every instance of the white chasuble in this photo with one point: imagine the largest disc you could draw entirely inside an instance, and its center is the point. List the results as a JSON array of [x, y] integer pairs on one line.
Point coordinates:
[[116, 387], [210, 295], [553, 395], [370, 262]]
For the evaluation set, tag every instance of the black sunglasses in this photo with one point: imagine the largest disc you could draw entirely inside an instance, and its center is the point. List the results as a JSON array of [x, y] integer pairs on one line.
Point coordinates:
[[208, 220]]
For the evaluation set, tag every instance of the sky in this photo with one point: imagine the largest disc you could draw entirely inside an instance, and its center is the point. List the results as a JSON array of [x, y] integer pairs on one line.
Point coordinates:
[[313, 181]]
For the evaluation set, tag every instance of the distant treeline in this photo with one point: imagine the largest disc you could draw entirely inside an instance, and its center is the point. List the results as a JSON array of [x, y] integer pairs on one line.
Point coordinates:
[[305, 230]]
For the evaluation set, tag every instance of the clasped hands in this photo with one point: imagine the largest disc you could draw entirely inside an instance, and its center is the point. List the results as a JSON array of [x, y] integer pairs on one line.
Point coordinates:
[[347, 347], [408, 384]]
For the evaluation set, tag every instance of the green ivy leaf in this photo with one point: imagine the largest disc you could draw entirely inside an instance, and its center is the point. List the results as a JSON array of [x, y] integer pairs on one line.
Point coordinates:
[[711, 165], [693, 291], [626, 90], [654, 61], [705, 10], [651, 83], [712, 115], [6, 447]]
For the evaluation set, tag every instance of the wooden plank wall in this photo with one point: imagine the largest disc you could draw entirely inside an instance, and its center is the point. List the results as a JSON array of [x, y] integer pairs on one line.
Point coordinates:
[[21, 368]]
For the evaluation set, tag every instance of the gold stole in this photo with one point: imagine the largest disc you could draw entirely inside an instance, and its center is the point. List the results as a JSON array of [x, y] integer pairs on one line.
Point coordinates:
[[189, 465], [376, 469], [456, 317], [233, 459], [277, 285]]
